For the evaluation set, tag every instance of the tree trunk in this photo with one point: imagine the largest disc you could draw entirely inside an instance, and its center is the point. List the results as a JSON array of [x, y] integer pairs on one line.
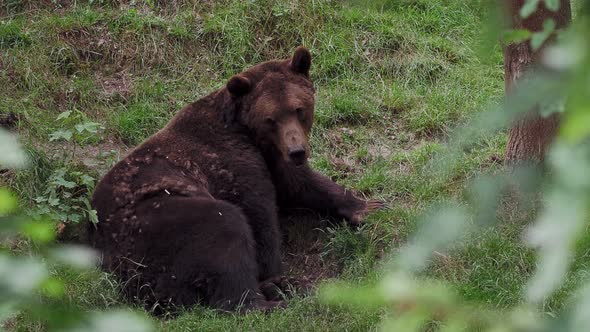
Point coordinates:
[[531, 134]]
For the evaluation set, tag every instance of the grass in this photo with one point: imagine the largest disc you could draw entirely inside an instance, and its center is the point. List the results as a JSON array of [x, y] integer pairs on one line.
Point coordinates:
[[393, 78]]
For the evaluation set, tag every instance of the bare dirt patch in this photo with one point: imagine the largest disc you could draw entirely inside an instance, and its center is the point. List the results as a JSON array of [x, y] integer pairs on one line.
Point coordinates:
[[117, 86], [92, 44], [304, 241]]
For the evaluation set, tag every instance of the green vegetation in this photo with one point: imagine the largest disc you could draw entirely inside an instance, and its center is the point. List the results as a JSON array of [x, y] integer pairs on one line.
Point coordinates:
[[392, 81]]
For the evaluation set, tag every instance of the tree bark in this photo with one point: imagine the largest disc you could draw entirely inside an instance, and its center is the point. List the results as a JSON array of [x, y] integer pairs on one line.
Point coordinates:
[[531, 134]]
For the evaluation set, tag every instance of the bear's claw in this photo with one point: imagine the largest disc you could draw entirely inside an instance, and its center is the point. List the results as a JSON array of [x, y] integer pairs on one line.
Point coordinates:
[[368, 208]]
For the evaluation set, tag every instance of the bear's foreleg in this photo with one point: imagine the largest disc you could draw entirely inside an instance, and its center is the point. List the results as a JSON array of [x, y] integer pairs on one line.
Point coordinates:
[[302, 187], [263, 221]]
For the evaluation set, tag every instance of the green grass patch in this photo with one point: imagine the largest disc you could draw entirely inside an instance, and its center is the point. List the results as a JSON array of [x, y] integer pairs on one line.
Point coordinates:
[[12, 35]]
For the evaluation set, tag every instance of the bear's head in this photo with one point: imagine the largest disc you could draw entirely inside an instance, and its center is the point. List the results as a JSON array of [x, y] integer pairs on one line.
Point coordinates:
[[274, 101]]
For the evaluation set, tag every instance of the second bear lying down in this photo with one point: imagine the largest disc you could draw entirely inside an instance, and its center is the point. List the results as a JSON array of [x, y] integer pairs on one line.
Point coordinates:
[[190, 215]]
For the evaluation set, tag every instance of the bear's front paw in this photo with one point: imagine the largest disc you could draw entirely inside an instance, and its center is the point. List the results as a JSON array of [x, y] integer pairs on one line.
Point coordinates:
[[280, 288], [356, 214]]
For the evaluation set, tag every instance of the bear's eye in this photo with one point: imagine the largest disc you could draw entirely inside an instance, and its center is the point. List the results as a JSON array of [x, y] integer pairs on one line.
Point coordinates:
[[300, 113], [270, 122]]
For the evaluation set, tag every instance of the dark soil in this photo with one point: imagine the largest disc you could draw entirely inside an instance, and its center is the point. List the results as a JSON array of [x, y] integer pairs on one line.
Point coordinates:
[[304, 241]]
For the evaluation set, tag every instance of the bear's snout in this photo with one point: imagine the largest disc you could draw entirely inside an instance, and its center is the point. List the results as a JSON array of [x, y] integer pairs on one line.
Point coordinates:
[[294, 142]]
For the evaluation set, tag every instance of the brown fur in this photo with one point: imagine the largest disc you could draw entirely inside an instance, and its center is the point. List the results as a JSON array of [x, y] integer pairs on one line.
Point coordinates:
[[191, 214]]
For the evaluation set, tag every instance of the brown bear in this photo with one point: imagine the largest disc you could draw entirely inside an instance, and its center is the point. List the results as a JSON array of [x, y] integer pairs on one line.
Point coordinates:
[[190, 215]]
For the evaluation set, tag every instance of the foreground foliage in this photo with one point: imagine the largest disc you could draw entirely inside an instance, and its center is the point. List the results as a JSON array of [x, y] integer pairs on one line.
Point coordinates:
[[559, 84]]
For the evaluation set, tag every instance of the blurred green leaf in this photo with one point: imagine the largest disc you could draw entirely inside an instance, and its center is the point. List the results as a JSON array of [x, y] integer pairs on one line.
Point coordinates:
[[76, 256], [369, 297], [540, 37], [409, 322], [550, 107], [529, 7], [7, 310], [552, 5], [564, 56], [483, 194], [20, 276], [8, 202], [53, 287], [517, 36], [570, 163], [439, 228], [561, 221], [401, 287], [41, 232], [117, 321], [458, 323], [11, 155], [576, 126], [580, 318]]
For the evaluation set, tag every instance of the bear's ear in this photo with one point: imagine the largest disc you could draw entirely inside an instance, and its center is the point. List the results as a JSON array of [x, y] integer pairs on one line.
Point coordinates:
[[301, 61], [239, 85]]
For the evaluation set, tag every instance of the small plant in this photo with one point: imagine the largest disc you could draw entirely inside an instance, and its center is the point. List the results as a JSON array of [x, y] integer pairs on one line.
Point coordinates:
[[67, 196], [74, 127]]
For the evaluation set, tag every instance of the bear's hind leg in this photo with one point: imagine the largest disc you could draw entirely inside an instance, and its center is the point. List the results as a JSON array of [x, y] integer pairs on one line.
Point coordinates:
[[205, 247]]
